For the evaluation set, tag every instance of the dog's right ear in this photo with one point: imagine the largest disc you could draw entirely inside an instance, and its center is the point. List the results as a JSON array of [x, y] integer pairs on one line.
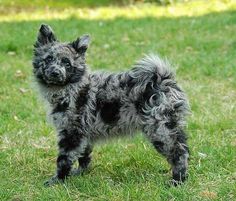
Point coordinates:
[[45, 36]]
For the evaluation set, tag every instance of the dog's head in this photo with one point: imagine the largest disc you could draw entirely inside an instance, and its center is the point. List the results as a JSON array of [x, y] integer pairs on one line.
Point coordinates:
[[57, 63]]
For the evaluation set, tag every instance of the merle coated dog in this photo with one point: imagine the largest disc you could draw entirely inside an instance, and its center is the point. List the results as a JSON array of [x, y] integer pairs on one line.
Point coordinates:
[[87, 106]]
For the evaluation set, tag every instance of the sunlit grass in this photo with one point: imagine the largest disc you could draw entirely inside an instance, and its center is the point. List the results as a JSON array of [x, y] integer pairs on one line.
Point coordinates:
[[193, 8]]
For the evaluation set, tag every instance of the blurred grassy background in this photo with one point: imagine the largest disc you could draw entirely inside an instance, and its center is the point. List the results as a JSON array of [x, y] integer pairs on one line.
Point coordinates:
[[83, 3], [197, 36]]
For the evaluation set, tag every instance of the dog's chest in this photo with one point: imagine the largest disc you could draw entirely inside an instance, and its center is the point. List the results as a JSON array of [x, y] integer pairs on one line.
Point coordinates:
[[62, 112]]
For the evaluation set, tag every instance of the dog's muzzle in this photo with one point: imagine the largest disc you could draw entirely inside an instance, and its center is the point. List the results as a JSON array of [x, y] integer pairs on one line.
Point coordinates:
[[54, 74]]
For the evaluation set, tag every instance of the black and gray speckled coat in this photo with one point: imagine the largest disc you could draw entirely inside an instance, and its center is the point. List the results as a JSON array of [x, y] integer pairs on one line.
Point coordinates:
[[85, 106]]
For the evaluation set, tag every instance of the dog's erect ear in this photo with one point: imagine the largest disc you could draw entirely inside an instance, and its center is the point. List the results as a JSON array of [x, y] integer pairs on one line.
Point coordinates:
[[81, 44], [45, 36]]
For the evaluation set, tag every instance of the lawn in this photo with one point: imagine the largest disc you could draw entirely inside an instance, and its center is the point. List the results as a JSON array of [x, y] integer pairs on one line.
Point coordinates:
[[198, 37]]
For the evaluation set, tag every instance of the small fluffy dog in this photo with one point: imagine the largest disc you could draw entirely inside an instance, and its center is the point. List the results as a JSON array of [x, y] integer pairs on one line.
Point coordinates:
[[86, 107]]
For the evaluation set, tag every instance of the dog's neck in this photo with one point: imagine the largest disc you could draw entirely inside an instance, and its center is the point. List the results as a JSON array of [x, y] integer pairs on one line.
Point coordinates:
[[55, 94]]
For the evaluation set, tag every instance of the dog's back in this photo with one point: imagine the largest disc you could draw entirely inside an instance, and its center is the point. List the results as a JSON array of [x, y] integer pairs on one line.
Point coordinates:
[[120, 103]]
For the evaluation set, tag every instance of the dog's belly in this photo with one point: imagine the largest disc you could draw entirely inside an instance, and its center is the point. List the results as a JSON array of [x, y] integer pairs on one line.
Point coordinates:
[[104, 131], [116, 123]]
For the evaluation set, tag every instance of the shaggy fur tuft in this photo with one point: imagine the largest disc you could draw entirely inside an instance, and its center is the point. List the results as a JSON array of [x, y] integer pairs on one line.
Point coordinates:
[[86, 107]]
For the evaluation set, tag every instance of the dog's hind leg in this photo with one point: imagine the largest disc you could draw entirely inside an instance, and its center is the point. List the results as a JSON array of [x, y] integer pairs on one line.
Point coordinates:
[[171, 143]]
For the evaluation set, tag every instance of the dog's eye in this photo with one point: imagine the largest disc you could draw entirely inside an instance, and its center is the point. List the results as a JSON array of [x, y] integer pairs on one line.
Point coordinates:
[[48, 59], [66, 62]]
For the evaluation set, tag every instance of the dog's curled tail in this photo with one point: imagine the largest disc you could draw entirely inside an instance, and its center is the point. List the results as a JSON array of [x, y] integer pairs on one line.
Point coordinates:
[[152, 68], [153, 75]]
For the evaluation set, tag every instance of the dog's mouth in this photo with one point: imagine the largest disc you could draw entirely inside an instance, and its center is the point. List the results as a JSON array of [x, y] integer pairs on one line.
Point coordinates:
[[48, 80], [59, 79], [56, 82]]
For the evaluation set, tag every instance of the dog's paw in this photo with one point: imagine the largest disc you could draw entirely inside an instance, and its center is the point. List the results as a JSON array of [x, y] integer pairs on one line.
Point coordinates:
[[52, 181]]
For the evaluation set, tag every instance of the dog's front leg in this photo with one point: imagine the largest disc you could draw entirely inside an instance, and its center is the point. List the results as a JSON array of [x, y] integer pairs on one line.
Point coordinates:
[[84, 160], [64, 164], [71, 145]]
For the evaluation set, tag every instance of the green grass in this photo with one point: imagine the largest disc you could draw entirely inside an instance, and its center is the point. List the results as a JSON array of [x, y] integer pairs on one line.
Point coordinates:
[[198, 37]]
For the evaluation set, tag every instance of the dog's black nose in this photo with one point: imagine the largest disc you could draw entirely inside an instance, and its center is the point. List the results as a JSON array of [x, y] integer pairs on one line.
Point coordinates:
[[55, 73]]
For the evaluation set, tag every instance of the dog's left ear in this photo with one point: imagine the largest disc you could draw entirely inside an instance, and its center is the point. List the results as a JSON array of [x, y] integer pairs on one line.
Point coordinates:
[[81, 44]]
